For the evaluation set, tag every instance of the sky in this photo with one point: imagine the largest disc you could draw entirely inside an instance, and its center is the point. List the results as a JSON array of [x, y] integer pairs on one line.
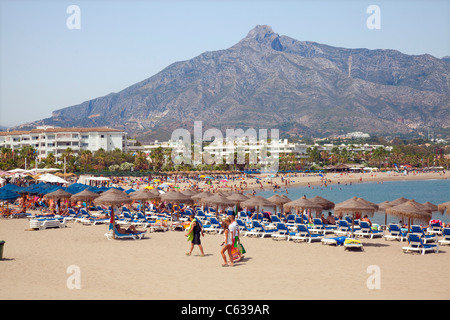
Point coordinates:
[[46, 64]]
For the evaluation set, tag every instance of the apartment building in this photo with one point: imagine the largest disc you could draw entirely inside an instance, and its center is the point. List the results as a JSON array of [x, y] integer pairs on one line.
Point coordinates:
[[48, 139]]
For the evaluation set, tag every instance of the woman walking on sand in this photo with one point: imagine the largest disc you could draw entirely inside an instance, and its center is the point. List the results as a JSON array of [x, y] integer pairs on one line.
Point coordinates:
[[226, 245]]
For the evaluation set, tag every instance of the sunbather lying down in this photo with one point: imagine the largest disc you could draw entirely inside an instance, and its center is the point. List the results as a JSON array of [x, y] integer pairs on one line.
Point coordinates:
[[131, 229]]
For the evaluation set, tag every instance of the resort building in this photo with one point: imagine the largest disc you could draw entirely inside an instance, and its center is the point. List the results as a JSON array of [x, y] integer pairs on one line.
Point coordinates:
[[223, 149], [47, 139]]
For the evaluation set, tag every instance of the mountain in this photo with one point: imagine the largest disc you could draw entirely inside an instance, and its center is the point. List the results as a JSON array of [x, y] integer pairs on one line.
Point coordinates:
[[272, 81]]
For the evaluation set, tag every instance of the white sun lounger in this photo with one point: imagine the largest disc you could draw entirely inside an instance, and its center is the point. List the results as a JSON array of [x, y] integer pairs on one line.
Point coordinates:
[[42, 224], [446, 235]]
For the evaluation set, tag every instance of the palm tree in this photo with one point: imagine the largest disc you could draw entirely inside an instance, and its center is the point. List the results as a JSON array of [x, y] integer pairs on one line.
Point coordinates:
[[157, 159], [86, 159], [7, 159], [140, 161]]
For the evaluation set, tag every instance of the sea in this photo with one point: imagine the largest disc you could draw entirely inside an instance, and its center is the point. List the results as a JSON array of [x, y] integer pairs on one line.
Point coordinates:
[[435, 191]]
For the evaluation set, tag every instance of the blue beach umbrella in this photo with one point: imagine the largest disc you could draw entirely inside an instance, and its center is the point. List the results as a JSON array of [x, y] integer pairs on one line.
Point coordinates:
[[8, 195]]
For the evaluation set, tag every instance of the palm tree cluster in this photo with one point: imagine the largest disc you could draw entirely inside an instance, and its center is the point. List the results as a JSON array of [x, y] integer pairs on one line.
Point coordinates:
[[419, 156]]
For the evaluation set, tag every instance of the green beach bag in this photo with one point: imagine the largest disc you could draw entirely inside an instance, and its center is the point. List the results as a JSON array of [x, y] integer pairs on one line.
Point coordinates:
[[241, 248]]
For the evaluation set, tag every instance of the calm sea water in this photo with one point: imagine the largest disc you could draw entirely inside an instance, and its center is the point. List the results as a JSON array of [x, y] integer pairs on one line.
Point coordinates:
[[434, 191]]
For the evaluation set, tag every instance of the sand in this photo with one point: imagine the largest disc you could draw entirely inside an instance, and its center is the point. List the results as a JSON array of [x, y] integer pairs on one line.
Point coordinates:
[[39, 264], [36, 264]]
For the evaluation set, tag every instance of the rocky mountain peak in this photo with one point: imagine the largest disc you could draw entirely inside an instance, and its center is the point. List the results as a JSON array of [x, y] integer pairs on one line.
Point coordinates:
[[264, 34]]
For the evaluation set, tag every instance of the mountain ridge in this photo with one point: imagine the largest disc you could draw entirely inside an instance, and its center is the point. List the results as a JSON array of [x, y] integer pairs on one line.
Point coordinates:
[[271, 81]]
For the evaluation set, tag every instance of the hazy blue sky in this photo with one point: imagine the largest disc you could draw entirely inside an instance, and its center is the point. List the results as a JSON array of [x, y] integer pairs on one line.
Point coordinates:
[[45, 66]]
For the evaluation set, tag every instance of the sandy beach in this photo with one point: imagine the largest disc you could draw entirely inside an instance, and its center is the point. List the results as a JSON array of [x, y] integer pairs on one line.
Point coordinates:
[[36, 263], [39, 264]]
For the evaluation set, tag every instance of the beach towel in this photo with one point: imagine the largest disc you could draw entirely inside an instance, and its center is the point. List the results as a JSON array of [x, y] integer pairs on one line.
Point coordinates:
[[339, 240], [191, 235], [352, 242]]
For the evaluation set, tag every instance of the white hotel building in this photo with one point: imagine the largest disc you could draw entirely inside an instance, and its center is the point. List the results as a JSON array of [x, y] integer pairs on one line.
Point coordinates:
[[47, 139]]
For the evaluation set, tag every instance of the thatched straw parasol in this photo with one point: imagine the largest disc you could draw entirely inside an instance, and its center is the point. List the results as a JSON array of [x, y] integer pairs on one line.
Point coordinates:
[[374, 205], [113, 197], [410, 209], [443, 207], [58, 195], [398, 201], [84, 195], [202, 195], [279, 200], [325, 203], [258, 202], [237, 198], [219, 199], [431, 206], [175, 197], [143, 194], [189, 192], [354, 205], [382, 208], [304, 204]]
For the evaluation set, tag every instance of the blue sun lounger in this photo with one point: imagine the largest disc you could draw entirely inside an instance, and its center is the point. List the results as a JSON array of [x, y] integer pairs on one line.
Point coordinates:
[[303, 234], [134, 236], [395, 233], [417, 245], [366, 231], [415, 229]]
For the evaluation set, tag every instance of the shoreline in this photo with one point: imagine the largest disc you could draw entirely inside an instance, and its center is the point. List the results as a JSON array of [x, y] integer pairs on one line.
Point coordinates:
[[289, 181]]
